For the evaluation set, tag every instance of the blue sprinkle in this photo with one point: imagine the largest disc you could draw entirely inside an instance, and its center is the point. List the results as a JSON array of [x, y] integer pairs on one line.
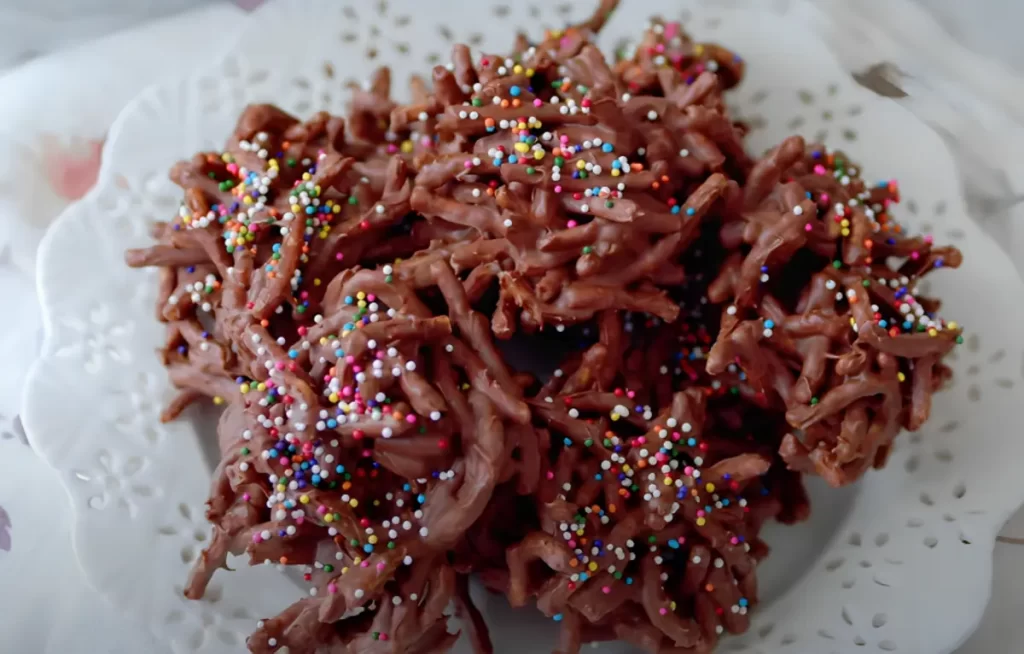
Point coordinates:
[[568, 442], [515, 91], [675, 209], [769, 323], [339, 353], [883, 324], [349, 299], [557, 617], [513, 158], [690, 211], [421, 498], [316, 479], [692, 442], [584, 576], [743, 602], [273, 453], [367, 548], [607, 147], [629, 581], [616, 164], [406, 487], [294, 354], [674, 544], [332, 423], [497, 162]]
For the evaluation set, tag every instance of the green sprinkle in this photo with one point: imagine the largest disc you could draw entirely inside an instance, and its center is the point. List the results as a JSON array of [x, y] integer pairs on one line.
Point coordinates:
[[388, 279], [814, 401], [866, 283], [559, 161], [352, 199], [587, 249], [530, 170], [328, 568], [589, 442], [289, 162], [245, 451], [959, 340], [837, 264], [609, 204]]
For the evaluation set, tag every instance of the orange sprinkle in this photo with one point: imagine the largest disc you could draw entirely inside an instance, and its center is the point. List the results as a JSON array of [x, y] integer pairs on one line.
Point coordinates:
[[709, 588], [264, 323], [515, 102], [655, 185], [283, 560], [868, 243], [573, 563], [504, 104], [664, 178], [636, 166], [347, 485], [612, 508]]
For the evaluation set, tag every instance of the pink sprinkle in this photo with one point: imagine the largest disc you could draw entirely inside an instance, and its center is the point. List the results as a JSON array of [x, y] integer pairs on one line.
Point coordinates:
[[808, 227], [700, 513], [558, 188], [734, 540], [364, 564], [246, 497], [824, 197], [571, 543], [571, 223], [392, 149], [256, 538], [537, 102], [410, 418], [283, 460], [350, 360], [606, 589], [232, 168], [321, 509], [357, 368], [676, 435], [915, 255], [425, 142], [631, 394], [660, 47], [332, 588], [380, 354], [563, 138], [339, 256], [663, 611], [671, 29], [279, 365], [641, 439], [371, 297], [346, 391], [929, 239], [819, 170], [300, 520], [380, 567], [550, 475], [688, 470], [469, 163]]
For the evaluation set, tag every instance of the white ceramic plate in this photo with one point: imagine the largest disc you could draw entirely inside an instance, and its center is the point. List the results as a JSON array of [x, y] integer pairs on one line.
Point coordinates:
[[900, 563]]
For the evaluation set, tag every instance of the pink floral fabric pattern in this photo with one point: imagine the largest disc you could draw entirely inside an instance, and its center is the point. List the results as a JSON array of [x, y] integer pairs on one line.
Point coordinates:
[[71, 168]]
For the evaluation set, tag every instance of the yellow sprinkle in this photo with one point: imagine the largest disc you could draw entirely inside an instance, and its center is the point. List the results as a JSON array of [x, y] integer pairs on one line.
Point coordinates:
[[317, 188], [317, 282], [376, 502], [345, 332], [406, 146], [616, 172], [357, 560], [353, 503], [933, 332], [333, 398], [844, 223], [250, 237], [517, 69], [579, 533], [900, 376], [538, 154], [845, 232], [296, 208], [344, 570], [952, 324], [615, 417], [530, 72], [303, 499], [592, 566], [261, 387], [520, 125], [323, 340], [701, 522], [328, 518], [580, 164], [306, 177], [361, 304], [521, 147], [217, 399], [698, 49], [626, 467], [336, 208], [709, 487], [225, 157], [360, 295], [244, 388], [373, 540], [667, 481], [853, 322]]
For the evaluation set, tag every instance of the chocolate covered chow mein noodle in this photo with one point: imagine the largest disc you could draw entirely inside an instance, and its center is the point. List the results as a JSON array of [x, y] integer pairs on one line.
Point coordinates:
[[338, 286], [822, 309]]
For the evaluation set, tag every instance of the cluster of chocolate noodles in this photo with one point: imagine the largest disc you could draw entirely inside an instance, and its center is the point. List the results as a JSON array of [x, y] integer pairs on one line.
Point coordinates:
[[822, 310], [340, 286]]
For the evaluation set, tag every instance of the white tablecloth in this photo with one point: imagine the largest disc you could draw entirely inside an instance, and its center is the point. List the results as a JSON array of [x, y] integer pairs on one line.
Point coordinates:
[[53, 116]]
